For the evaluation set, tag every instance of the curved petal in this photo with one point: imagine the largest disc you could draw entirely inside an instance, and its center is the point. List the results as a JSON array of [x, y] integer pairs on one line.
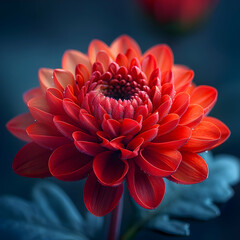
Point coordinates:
[[32, 93], [122, 44], [17, 126], [158, 162], [65, 125], [192, 169], [168, 124], [46, 136], [99, 199], [193, 116], [130, 127], [225, 132], [180, 103], [40, 110], [204, 136], [94, 47], [163, 55], [32, 161], [204, 96], [45, 77], [68, 164], [89, 148], [182, 77], [72, 109], [146, 190], [72, 58], [109, 168], [55, 101], [148, 65], [62, 78]]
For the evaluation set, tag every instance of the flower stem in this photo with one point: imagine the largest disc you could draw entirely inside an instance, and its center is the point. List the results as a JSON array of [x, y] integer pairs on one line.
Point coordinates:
[[115, 224]]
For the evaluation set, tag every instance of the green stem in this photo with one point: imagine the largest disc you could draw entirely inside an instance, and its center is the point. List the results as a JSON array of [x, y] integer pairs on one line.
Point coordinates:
[[115, 224]]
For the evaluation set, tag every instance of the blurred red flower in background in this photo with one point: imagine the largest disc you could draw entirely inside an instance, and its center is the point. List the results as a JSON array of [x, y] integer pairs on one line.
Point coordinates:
[[115, 114], [179, 15]]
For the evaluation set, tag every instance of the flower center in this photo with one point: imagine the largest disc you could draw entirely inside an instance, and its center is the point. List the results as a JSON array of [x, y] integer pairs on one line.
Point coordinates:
[[121, 83]]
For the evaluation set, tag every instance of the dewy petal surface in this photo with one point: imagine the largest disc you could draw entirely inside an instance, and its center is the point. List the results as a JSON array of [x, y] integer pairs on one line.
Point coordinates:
[[115, 114]]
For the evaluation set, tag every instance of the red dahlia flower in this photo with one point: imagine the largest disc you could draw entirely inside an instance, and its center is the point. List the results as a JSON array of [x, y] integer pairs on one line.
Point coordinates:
[[114, 115], [180, 14]]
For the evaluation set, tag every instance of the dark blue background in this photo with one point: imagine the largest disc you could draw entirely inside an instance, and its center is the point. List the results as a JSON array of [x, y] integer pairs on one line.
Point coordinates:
[[35, 34]]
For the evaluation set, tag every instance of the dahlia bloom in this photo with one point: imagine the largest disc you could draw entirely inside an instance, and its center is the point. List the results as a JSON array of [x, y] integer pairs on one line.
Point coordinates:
[[116, 114], [180, 14]]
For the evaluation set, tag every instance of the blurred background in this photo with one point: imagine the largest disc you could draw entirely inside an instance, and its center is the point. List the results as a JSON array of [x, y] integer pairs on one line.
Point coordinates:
[[35, 34]]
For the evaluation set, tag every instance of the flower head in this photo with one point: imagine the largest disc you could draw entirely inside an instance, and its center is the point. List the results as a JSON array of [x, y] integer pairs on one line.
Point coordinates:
[[178, 15], [114, 115]]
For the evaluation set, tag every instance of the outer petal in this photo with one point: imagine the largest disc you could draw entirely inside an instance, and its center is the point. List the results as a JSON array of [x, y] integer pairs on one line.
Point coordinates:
[[45, 76], [62, 78], [175, 139], [17, 126], [163, 55], [182, 77], [32, 161], [180, 103], [122, 44], [46, 136], [192, 169], [109, 169], [72, 58], [204, 96], [100, 199], [204, 136], [32, 93], [96, 46], [146, 190], [225, 132], [68, 164], [157, 161]]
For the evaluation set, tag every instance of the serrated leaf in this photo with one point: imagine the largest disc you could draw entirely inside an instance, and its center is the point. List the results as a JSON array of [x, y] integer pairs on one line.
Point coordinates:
[[50, 216], [197, 201]]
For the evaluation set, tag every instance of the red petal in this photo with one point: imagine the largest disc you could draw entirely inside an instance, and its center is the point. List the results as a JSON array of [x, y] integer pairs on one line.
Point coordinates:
[[89, 148], [123, 43], [130, 127], [62, 78], [182, 77], [180, 103], [68, 164], [163, 55], [175, 139], [157, 161], [104, 59], [204, 96], [111, 126], [65, 126], [204, 136], [72, 109], [109, 169], [122, 60], [146, 190], [72, 58], [40, 110], [150, 134], [46, 136], [96, 46], [45, 76], [225, 132], [148, 65], [168, 124], [55, 101], [150, 121], [17, 126], [82, 70], [32, 161], [88, 122], [82, 136], [32, 93], [100, 199], [192, 169], [193, 116], [164, 108]]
